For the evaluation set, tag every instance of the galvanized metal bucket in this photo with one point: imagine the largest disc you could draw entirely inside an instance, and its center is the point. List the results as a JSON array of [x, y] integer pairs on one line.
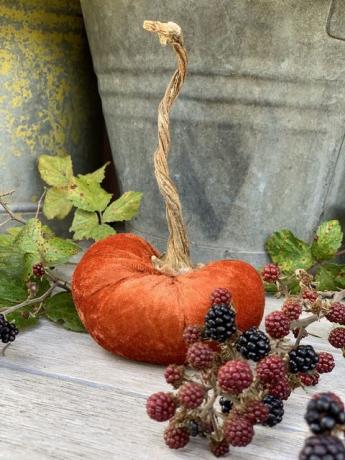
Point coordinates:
[[258, 132], [48, 93]]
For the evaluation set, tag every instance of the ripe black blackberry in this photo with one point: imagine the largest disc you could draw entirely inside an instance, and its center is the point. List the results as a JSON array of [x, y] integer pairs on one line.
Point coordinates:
[[323, 447], [253, 344], [225, 404], [303, 359], [220, 323], [8, 331], [276, 410], [324, 413], [192, 428]]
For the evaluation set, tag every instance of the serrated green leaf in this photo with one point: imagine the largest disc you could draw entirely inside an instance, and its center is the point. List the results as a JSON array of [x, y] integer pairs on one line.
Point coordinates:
[[55, 170], [88, 195], [327, 241], [331, 277], [102, 231], [56, 203], [30, 239], [23, 318], [125, 208], [58, 250], [98, 175], [83, 224], [60, 309], [289, 252]]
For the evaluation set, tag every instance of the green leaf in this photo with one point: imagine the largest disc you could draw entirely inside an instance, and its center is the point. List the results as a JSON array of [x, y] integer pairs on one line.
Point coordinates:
[[59, 251], [60, 309], [270, 288], [55, 170], [12, 289], [83, 224], [30, 239], [331, 277], [98, 175], [102, 231], [289, 252], [56, 203], [125, 208], [327, 241], [23, 318], [88, 195]]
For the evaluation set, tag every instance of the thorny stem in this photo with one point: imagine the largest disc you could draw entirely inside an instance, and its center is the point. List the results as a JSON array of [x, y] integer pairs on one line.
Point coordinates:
[[29, 302], [302, 325], [59, 283], [8, 210]]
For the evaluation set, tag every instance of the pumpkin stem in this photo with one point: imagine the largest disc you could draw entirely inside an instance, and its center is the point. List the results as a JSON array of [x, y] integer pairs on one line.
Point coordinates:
[[176, 258]]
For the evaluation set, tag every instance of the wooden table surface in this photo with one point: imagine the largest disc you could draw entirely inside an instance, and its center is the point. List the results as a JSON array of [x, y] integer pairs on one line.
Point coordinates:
[[63, 397]]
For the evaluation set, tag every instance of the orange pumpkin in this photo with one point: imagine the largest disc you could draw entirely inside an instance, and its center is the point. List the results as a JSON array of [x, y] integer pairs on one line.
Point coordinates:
[[136, 303]]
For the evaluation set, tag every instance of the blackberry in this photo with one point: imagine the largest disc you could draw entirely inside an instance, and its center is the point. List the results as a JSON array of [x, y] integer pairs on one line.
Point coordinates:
[[276, 410], [326, 363], [323, 447], [271, 369], [191, 395], [337, 337], [176, 438], [303, 359], [253, 344], [38, 270], [192, 428], [270, 273], [220, 323], [235, 376], [238, 432], [324, 413], [336, 313], [219, 449], [192, 334], [310, 295], [280, 389], [8, 331], [309, 380], [160, 406], [220, 296], [292, 309], [256, 412], [174, 375], [277, 325], [226, 405], [200, 356]]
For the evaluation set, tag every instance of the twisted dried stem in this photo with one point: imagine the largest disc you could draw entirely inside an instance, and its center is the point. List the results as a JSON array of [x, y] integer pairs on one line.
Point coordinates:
[[176, 258]]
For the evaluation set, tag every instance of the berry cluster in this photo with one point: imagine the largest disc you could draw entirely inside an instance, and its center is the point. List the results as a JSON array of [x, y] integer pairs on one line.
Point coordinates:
[[326, 417], [8, 331], [234, 380]]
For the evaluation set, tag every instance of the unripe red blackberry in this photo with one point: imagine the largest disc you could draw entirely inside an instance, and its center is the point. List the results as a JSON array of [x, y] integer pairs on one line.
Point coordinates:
[[326, 363], [219, 449], [292, 309], [160, 406], [309, 295], [309, 380], [336, 313], [238, 432], [220, 296], [277, 325], [38, 270], [192, 334], [200, 356], [337, 337], [256, 412], [323, 447], [191, 395], [174, 375], [280, 389], [234, 376], [271, 369], [270, 273], [176, 438]]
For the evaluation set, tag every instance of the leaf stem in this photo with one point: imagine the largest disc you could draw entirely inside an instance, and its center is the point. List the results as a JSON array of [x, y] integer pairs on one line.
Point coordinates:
[[8, 210]]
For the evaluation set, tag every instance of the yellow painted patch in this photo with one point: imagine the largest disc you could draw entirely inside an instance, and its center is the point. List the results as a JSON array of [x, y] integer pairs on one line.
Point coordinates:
[[43, 76]]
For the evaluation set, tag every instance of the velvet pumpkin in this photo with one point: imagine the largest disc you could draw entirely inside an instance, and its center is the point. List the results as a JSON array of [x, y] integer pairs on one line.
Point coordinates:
[[135, 302]]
